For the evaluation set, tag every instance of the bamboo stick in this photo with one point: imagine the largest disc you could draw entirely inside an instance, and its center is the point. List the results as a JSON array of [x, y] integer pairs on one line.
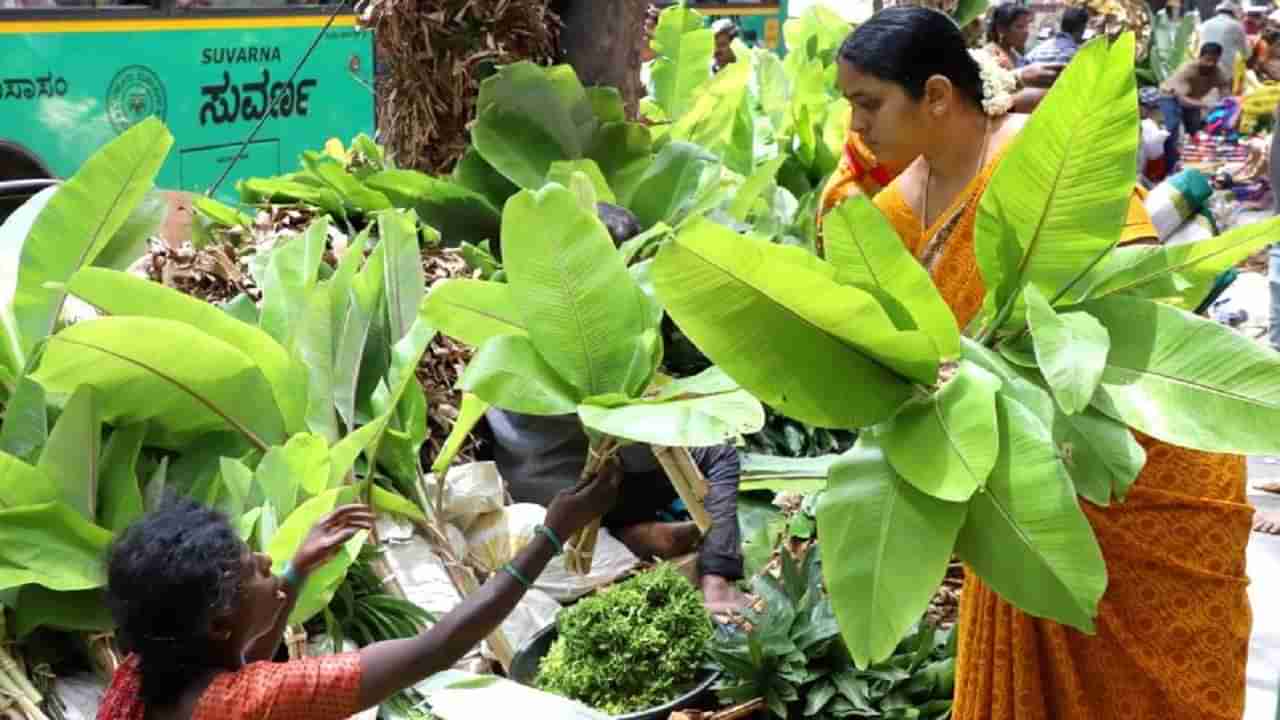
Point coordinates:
[[580, 549], [295, 638], [688, 481]]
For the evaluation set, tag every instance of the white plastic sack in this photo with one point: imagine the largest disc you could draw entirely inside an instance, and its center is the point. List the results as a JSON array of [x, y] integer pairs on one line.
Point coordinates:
[[465, 697], [495, 538], [1194, 230], [1168, 209], [1153, 137], [474, 489], [612, 561], [535, 611]]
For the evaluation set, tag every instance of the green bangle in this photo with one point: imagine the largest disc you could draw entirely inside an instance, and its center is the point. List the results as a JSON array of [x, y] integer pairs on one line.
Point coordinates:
[[291, 577], [520, 578], [551, 535]]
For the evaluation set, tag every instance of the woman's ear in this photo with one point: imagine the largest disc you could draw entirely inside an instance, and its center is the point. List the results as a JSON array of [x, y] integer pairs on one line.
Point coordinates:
[[937, 95]]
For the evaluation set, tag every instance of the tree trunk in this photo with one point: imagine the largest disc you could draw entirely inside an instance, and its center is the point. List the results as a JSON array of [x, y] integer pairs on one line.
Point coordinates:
[[602, 40]]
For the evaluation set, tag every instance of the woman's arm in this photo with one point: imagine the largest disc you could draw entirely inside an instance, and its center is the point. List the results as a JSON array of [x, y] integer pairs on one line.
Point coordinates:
[[391, 666]]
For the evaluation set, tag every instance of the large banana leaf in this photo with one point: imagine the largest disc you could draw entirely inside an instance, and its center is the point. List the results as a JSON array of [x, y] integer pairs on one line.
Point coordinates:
[[868, 254], [715, 121], [118, 293], [623, 151], [1071, 349], [685, 48], [1101, 454], [70, 458], [119, 494], [405, 280], [473, 408], [356, 355], [357, 197], [185, 381], [1153, 271], [22, 484], [286, 540], [583, 311], [80, 611], [460, 214], [1026, 536], [79, 221], [295, 471], [53, 546], [289, 275], [885, 547], [669, 184], [958, 426], [780, 329], [1058, 200], [313, 347], [352, 313], [473, 311], [509, 373], [697, 421], [1187, 380], [474, 173], [13, 234], [130, 241]]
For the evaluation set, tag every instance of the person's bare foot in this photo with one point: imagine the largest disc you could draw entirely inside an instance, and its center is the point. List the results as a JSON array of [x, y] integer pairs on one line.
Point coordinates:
[[1271, 487], [661, 540], [1266, 522]]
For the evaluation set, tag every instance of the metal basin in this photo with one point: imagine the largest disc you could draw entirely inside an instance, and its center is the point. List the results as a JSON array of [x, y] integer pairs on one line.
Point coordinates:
[[524, 670]]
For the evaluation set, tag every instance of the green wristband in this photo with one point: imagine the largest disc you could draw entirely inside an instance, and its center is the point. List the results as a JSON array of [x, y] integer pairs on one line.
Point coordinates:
[[551, 535], [291, 577], [520, 578]]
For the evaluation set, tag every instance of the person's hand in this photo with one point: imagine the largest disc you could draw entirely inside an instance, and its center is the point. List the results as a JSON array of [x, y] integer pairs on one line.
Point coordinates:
[[720, 596], [572, 510], [329, 534], [1040, 75]]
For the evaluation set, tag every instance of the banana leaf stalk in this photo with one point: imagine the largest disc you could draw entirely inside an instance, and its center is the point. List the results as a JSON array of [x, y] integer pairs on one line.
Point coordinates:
[[688, 481], [580, 550], [295, 638], [103, 654], [15, 687]]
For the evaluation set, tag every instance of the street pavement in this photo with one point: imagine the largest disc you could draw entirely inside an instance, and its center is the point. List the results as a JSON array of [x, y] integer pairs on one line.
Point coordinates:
[[1264, 596]]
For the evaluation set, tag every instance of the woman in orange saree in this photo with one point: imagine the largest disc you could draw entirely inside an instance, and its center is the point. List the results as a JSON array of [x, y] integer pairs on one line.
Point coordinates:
[[1173, 626]]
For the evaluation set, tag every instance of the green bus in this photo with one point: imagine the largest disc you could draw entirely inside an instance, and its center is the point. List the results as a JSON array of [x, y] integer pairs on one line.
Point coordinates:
[[77, 73], [759, 21]]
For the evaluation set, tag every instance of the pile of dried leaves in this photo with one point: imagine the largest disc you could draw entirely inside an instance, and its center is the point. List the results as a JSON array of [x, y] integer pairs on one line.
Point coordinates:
[[944, 609], [432, 56]]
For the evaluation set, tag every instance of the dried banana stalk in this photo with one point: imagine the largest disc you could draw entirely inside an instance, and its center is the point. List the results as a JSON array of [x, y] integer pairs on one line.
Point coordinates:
[[688, 481]]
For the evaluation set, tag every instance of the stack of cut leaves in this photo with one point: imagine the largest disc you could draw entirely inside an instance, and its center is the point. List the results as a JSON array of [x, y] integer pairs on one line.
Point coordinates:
[[985, 446], [432, 57], [636, 645], [274, 413], [793, 657], [573, 333]]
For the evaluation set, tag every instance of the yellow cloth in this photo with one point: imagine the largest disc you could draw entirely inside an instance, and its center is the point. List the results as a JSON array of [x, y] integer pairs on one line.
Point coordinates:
[[1173, 627]]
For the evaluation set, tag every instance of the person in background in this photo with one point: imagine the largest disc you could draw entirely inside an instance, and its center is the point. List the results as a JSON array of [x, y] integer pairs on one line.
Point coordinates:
[[1059, 49], [540, 456], [1225, 31], [726, 32], [1185, 100], [202, 617], [1007, 35]]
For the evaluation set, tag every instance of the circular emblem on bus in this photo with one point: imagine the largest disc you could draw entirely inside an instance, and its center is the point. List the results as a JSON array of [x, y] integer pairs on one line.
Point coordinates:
[[134, 95]]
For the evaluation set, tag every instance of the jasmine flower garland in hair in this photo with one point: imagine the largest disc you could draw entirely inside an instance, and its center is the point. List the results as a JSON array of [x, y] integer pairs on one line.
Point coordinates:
[[998, 84]]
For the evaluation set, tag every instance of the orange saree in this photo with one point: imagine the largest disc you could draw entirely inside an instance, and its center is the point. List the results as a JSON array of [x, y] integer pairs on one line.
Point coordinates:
[[1173, 627]]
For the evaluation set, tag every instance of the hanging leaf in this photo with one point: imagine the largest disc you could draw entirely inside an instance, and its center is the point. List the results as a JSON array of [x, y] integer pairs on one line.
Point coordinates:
[[185, 381], [694, 422], [1187, 380], [473, 311], [70, 458], [784, 331], [1026, 536], [1058, 199], [583, 311], [118, 293], [507, 372], [53, 546], [78, 222], [26, 420], [868, 254], [1101, 454], [881, 570], [958, 426], [1071, 350], [119, 493]]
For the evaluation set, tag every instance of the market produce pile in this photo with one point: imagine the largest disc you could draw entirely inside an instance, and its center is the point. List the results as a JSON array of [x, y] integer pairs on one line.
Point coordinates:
[[635, 645]]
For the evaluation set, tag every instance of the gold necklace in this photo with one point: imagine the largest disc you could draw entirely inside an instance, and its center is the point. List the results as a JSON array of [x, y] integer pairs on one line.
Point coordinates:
[[982, 161]]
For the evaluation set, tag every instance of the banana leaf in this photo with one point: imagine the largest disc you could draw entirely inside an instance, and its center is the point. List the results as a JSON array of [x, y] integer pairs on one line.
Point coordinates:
[[459, 213], [22, 484], [473, 311], [684, 47], [53, 546], [25, 428], [1071, 350], [70, 459]]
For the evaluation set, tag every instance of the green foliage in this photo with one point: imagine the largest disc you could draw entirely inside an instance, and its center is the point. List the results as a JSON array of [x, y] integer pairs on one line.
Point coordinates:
[[793, 658], [634, 645], [1170, 47]]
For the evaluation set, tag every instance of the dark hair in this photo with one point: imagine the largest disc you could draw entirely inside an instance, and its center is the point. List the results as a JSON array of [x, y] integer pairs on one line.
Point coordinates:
[[907, 45], [621, 223], [1211, 48], [1003, 17], [1075, 20], [168, 576]]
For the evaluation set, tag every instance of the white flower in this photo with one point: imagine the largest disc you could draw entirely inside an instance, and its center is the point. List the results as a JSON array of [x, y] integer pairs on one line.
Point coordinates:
[[998, 84]]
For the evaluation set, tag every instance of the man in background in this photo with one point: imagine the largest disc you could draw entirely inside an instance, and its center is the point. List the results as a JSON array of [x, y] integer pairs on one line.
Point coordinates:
[[726, 32], [1186, 97], [1224, 30], [1059, 49]]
